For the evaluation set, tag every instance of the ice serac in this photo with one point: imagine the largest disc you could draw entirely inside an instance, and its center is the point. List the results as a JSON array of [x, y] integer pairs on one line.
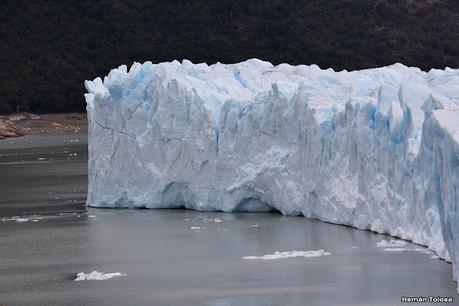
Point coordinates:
[[376, 149]]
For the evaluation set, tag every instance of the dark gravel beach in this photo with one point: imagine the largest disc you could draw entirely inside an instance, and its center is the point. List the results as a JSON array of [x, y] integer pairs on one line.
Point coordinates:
[[179, 257]]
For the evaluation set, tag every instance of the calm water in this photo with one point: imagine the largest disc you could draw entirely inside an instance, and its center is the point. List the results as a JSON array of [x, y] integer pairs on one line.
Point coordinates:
[[167, 260]]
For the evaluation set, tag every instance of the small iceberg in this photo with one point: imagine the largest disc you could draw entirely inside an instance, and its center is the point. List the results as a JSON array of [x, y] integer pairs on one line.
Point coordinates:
[[95, 275], [284, 255]]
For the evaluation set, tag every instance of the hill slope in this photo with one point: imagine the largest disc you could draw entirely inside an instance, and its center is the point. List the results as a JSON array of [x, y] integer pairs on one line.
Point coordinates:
[[50, 47]]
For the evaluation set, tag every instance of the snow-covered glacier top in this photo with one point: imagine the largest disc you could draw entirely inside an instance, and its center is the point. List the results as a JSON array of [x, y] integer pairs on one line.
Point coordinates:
[[376, 149]]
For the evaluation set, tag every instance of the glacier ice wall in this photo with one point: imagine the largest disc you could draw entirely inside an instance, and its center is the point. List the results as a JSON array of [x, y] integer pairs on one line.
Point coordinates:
[[376, 149]]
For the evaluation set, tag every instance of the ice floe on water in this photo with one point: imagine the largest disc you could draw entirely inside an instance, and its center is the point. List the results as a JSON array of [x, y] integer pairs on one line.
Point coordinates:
[[20, 219], [396, 250], [402, 246], [393, 243], [215, 220], [205, 220], [291, 254], [95, 275], [197, 229], [38, 217], [422, 250]]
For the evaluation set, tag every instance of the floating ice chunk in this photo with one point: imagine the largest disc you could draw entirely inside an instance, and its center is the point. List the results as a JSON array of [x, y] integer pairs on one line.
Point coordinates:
[[216, 220], [284, 255], [95, 275], [422, 250], [15, 218], [391, 244], [397, 246], [396, 250]]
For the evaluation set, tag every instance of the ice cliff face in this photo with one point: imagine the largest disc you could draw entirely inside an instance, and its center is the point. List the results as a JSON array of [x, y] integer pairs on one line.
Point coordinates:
[[376, 149]]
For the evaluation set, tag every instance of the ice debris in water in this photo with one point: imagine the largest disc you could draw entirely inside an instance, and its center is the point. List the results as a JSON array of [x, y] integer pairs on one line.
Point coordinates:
[[95, 275], [396, 250], [402, 246], [15, 218], [284, 255], [391, 244], [215, 220]]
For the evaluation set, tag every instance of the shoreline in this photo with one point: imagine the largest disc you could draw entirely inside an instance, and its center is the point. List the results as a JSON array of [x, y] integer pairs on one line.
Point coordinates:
[[20, 124]]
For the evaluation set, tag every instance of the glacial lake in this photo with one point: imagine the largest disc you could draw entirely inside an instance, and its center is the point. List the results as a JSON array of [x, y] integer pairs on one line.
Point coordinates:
[[182, 257]]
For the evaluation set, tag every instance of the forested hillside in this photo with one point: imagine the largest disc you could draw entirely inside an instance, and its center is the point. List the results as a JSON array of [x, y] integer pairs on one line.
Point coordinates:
[[49, 47]]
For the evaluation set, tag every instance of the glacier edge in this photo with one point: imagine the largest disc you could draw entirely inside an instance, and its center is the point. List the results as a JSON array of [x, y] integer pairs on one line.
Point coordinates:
[[376, 149]]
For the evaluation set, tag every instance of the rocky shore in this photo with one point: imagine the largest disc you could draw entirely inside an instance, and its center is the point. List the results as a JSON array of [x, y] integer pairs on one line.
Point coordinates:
[[26, 124]]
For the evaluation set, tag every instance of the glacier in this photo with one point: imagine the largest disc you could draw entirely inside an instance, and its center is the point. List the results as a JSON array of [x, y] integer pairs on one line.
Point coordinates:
[[376, 149]]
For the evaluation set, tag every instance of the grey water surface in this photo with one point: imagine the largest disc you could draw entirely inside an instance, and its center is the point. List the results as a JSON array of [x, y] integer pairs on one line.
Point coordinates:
[[179, 257]]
